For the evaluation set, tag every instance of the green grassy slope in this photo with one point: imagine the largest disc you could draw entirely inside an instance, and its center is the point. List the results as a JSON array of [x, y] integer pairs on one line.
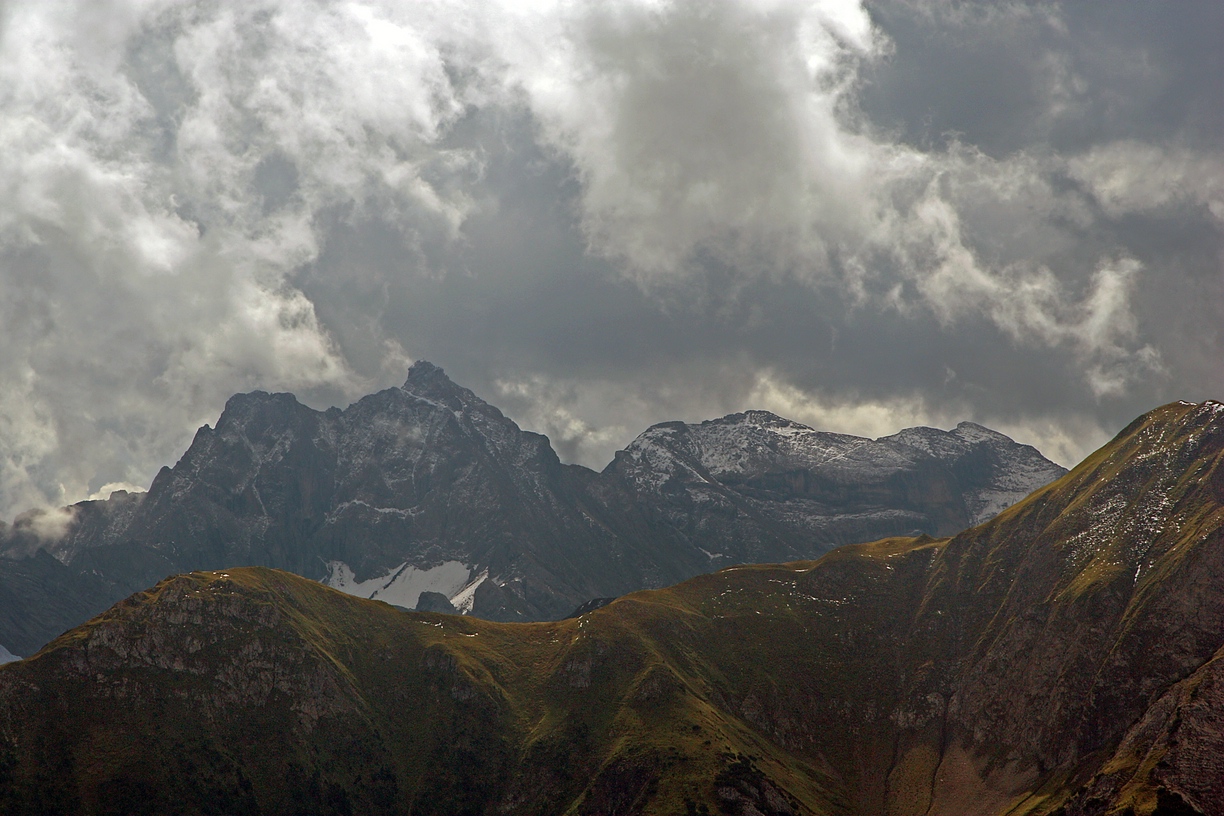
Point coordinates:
[[1010, 670]]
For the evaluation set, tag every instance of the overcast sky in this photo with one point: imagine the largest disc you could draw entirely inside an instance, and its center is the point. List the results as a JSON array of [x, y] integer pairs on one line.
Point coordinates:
[[600, 216]]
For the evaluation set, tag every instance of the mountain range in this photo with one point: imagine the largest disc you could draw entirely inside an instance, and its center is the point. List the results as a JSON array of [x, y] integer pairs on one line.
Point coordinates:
[[426, 496], [1061, 659]]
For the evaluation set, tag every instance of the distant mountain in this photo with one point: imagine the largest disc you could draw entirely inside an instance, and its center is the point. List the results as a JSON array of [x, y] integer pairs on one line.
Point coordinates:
[[429, 489], [1062, 659], [755, 487]]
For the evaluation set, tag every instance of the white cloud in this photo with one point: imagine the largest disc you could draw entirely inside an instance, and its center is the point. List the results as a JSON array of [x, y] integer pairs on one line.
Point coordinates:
[[556, 410], [104, 492], [707, 128], [1134, 177], [1024, 298], [728, 134]]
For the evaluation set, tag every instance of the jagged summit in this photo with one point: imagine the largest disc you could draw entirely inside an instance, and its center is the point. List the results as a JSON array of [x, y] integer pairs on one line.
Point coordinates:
[[423, 369], [430, 383], [428, 380]]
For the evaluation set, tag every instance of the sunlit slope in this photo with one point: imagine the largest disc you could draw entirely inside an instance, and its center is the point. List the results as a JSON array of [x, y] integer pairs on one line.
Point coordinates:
[[1054, 627], [1059, 658]]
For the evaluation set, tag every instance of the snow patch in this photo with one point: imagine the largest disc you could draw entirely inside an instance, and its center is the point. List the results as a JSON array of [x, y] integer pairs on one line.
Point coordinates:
[[7, 657], [384, 511], [401, 586], [465, 598]]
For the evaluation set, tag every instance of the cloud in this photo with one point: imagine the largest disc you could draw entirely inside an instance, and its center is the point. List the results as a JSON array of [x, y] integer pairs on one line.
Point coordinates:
[[859, 417], [104, 492], [698, 128], [728, 134], [1133, 177], [555, 410], [1025, 298], [598, 215]]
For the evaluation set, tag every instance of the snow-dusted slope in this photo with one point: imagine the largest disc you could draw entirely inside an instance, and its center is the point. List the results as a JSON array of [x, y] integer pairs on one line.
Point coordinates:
[[1005, 471], [741, 446], [758, 478], [7, 657]]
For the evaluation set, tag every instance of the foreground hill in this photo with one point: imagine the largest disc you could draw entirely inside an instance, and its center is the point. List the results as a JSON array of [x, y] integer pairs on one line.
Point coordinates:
[[429, 489], [1059, 659]]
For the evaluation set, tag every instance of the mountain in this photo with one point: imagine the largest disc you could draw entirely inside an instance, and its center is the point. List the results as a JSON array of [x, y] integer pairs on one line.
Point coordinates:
[[756, 487], [429, 489], [1062, 659]]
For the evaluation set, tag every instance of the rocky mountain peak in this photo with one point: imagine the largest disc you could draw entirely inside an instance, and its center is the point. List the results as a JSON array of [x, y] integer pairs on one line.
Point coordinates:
[[971, 431], [755, 417], [429, 382], [425, 378], [241, 408]]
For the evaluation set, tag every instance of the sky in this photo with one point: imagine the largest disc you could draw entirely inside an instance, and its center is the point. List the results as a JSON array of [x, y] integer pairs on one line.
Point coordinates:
[[602, 215]]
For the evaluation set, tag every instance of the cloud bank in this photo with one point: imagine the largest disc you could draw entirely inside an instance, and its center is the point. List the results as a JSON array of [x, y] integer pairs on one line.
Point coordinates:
[[861, 215]]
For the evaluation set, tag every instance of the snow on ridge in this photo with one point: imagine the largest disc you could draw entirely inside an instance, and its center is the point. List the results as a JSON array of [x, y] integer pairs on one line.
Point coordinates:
[[751, 441], [7, 657], [931, 441], [382, 511], [973, 432], [401, 586]]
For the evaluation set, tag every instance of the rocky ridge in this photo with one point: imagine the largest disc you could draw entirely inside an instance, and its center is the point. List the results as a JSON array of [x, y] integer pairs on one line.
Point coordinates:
[[428, 489], [777, 478]]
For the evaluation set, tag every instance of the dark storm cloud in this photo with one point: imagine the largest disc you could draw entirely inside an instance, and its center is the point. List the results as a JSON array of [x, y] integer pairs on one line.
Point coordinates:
[[1124, 108], [600, 217]]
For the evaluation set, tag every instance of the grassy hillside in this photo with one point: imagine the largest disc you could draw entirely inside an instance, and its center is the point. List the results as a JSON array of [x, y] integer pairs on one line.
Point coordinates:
[[217, 689], [1046, 661]]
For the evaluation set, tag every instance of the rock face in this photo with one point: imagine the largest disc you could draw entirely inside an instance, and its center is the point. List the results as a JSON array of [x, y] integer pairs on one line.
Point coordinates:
[[427, 488], [1062, 659]]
